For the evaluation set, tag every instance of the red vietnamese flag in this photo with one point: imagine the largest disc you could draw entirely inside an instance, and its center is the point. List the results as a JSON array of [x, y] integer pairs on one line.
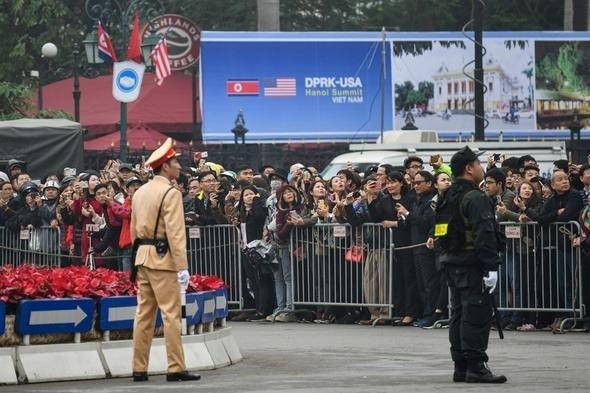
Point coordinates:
[[134, 48], [242, 87]]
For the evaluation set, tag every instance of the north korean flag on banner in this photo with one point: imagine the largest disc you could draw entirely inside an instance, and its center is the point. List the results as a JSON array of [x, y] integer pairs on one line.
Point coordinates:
[[243, 87]]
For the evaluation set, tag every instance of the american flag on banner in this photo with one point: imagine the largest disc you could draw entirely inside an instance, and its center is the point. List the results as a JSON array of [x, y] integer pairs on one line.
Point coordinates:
[[160, 60], [280, 87]]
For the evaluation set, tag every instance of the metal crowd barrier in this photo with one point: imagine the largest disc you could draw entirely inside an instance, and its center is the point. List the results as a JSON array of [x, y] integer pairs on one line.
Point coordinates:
[[341, 265], [40, 246], [215, 250], [542, 270]]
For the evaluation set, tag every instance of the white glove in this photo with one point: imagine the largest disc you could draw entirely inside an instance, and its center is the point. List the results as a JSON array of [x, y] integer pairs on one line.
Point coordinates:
[[183, 277], [491, 280]]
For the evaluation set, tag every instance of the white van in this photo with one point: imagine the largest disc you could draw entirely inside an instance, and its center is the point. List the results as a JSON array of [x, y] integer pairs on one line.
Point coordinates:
[[364, 155]]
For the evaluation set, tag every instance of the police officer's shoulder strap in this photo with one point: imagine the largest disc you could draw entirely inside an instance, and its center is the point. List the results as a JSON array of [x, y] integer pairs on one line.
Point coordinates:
[[160, 212]]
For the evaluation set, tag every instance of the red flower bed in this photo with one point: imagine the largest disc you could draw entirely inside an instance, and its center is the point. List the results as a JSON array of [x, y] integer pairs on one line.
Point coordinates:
[[33, 282]]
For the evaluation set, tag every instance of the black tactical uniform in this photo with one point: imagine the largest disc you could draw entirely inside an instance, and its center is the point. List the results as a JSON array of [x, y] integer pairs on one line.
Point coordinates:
[[468, 241]]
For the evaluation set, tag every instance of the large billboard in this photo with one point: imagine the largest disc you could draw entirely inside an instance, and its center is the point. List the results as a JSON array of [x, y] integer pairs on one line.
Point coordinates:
[[327, 86], [293, 90]]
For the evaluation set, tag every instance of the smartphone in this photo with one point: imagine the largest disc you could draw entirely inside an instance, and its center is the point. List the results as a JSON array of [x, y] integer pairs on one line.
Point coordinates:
[[434, 159], [496, 157], [498, 199], [356, 194], [322, 204], [294, 214], [69, 171]]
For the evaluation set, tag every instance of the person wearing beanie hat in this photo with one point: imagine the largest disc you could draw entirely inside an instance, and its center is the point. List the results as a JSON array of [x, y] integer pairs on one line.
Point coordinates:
[[160, 264]]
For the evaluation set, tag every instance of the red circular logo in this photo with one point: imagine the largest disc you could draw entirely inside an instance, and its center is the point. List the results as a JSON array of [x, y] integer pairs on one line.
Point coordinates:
[[183, 37]]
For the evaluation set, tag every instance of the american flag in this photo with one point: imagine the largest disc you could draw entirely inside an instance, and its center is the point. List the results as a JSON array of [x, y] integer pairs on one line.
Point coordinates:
[[160, 60], [280, 87]]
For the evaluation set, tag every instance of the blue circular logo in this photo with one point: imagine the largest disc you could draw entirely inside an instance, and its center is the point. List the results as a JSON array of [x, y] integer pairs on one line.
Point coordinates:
[[127, 80]]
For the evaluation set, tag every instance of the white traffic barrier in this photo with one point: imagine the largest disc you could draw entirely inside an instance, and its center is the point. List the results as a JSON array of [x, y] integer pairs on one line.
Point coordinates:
[[202, 352], [230, 345], [216, 349], [59, 362], [196, 353], [7, 369]]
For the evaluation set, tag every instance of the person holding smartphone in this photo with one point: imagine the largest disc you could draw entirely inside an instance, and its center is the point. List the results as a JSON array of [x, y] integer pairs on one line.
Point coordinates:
[[251, 217], [208, 206], [289, 207]]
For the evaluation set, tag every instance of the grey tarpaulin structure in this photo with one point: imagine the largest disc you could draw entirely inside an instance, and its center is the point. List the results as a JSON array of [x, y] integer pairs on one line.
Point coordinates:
[[47, 145]]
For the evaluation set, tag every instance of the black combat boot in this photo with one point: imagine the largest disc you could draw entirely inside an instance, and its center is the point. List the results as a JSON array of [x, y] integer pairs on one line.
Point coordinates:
[[480, 373], [460, 371]]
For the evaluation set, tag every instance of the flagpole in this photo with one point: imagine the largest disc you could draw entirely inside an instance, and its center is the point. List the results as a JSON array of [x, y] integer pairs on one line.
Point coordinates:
[[123, 105]]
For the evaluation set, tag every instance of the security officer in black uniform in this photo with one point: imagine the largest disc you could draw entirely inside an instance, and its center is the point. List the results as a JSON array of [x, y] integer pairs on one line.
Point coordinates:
[[468, 245]]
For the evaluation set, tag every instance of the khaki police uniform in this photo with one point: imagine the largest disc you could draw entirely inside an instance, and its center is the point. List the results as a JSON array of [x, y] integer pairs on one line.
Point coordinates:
[[157, 279]]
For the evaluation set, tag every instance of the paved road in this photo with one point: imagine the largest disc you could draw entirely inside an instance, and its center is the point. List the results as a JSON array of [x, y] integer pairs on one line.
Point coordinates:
[[334, 358]]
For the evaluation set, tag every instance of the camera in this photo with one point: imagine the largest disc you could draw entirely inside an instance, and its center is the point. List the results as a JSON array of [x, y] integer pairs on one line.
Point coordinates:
[[496, 157], [356, 194], [34, 195]]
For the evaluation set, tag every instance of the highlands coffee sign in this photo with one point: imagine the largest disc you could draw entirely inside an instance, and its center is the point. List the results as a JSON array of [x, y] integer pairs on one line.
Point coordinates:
[[183, 37]]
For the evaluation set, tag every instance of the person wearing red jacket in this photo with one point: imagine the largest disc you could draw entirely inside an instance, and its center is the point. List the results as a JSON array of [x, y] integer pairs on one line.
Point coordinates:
[[123, 212]]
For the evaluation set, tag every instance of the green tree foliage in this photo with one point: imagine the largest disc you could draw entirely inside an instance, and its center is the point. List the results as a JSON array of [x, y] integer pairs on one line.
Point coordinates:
[[427, 89], [217, 14], [415, 97], [568, 60], [548, 73], [401, 93], [13, 100]]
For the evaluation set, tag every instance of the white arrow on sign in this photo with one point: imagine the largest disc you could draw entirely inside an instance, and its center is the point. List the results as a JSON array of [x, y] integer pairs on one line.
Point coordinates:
[[209, 306], [220, 302], [49, 317], [192, 308], [117, 314]]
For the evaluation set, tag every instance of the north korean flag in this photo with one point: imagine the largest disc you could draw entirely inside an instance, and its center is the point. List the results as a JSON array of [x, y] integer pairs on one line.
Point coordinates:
[[242, 87]]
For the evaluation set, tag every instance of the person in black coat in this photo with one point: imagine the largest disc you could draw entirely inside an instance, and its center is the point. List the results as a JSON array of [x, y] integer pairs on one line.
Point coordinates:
[[208, 208], [387, 210], [252, 216], [563, 206], [421, 219]]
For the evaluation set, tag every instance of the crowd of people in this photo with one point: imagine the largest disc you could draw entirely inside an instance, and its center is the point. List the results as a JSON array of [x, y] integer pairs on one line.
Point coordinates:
[[92, 209]]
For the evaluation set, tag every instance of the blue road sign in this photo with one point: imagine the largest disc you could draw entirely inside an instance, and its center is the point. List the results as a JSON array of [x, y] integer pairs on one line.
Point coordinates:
[[118, 312], [194, 308], [2, 317], [208, 306], [54, 316], [221, 303]]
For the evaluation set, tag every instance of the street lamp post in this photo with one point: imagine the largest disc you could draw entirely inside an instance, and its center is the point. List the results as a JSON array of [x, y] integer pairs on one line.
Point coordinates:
[[76, 73], [74, 70], [119, 14], [48, 51]]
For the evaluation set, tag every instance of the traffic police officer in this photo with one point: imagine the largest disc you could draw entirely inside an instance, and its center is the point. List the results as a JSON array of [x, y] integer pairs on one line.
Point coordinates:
[[468, 245], [158, 234]]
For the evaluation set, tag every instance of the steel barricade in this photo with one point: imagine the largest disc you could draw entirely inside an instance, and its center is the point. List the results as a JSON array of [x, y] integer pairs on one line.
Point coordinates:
[[40, 246], [215, 250], [541, 271], [341, 265]]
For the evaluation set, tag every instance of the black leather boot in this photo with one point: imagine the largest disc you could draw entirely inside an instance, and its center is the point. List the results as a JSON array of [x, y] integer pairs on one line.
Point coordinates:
[[460, 371], [182, 376], [479, 373]]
